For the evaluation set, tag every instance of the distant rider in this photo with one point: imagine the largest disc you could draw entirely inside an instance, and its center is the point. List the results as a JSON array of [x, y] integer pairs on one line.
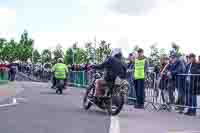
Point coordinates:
[[60, 71]]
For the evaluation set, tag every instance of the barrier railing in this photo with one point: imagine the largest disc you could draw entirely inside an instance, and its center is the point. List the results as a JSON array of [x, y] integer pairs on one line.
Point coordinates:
[[4, 74], [78, 78], [177, 93]]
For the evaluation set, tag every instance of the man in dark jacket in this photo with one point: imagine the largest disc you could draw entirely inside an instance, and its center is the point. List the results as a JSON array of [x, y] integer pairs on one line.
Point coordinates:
[[12, 72], [175, 68], [191, 84], [113, 67]]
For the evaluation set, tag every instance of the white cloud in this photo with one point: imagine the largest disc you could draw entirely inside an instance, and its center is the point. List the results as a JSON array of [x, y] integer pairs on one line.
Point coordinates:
[[7, 22], [166, 21]]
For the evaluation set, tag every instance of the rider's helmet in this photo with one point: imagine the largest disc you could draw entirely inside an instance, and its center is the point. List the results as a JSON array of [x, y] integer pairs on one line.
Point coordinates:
[[60, 60], [116, 52]]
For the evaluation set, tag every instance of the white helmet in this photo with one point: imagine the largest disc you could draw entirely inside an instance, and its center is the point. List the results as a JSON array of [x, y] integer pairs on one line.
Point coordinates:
[[60, 60], [116, 51]]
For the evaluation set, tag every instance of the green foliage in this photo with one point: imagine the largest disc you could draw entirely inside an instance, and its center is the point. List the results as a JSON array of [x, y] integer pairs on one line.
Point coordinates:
[[80, 56], [36, 57], [25, 47], [68, 59], [12, 51], [77, 54], [103, 51], [57, 53], [154, 56], [46, 56]]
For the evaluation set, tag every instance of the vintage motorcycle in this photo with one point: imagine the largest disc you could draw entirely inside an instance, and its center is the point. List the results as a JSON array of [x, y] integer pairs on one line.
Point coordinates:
[[113, 99]]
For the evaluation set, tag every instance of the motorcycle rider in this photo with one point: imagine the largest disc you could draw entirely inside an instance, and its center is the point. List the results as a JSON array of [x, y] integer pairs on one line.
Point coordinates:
[[60, 71], [113, 67]]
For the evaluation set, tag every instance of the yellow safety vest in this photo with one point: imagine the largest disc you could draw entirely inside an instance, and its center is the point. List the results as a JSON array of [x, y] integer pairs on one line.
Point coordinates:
[[139, 69], [60, 70]]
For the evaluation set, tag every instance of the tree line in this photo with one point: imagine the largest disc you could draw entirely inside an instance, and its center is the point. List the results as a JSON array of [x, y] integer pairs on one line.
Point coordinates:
[[23, 51]]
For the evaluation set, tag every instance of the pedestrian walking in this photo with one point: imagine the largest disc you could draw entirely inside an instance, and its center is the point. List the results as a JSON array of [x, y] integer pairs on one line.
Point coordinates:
[[140, 68]]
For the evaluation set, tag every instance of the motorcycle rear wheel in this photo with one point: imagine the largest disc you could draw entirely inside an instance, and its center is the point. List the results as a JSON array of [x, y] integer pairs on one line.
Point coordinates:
[[86, 103]]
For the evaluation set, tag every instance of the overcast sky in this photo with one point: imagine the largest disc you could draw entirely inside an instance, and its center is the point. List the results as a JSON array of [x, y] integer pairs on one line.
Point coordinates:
[[124, 23]]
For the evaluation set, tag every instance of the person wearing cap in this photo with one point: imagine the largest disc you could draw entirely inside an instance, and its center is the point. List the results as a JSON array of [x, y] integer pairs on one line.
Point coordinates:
[[175, 68], [140, 68], [130, 77], [191, 84], [114, 67]]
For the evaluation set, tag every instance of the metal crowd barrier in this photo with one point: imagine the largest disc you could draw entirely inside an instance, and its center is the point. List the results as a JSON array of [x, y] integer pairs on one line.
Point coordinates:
[[179, 93], [175, 93], [79, 78]]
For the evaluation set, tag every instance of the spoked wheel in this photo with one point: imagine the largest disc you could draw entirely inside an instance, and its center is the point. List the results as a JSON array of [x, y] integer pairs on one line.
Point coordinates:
[[59, 91], [115, 104], [86, 102]]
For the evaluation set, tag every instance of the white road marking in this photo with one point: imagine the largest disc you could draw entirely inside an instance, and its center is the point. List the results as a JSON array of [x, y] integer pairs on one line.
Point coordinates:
[[114, 124], [14, 102], [184, 132]]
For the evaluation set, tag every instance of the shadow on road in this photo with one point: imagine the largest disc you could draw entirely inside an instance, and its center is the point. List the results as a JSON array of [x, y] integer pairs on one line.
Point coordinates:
[[95, 112], [52, 93]]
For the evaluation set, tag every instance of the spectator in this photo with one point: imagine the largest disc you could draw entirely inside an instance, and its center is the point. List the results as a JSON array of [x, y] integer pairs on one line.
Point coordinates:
[[187, 59], [191, 81], [199, 59], [164, 79], [12, 71], [176, 67], [140, 68], [131, 90]]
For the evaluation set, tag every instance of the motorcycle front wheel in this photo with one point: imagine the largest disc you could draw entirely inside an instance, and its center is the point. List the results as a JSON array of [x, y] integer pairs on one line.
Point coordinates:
[[115, 104]]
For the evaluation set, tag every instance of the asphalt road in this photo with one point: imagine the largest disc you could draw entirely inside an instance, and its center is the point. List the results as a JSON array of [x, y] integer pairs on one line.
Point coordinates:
[[45, 112]]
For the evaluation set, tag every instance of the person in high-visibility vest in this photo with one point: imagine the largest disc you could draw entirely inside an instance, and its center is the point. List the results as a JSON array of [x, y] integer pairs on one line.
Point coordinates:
[[140, 68], [60, 71]]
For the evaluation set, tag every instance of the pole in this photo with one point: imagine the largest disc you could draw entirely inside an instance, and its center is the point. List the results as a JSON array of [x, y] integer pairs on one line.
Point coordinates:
[[32, 53], [95, 49], [73, 55]]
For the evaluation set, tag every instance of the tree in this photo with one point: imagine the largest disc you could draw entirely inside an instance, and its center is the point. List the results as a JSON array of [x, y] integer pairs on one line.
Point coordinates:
[[103, 51], [91, 53], [36, 56], [58, 53], [80, 56], [68, 58], [154, 56], [46, 56], [3, 43], [25, 47]]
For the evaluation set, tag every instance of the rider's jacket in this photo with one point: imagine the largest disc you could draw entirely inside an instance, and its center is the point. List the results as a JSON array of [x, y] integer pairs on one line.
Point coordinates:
[[113, 67], [60, 71]]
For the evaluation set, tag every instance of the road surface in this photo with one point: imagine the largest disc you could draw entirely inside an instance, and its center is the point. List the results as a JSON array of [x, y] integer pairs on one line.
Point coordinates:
[[45, 112]]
